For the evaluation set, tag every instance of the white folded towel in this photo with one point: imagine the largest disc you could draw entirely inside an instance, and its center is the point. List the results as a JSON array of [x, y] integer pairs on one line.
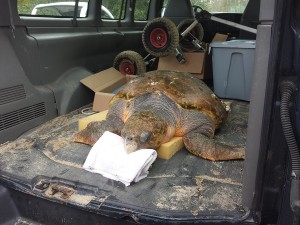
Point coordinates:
[[108, 157]]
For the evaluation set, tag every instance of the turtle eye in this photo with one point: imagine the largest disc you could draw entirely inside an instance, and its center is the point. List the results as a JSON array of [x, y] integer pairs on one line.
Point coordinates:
[[145, 137]]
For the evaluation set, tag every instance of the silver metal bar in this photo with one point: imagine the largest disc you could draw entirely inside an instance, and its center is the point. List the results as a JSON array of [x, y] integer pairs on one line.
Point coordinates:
[[232, 24], [187, 30]]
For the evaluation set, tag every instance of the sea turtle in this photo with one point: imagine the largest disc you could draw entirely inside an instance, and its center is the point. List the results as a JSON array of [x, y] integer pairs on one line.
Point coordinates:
[[159, 105]]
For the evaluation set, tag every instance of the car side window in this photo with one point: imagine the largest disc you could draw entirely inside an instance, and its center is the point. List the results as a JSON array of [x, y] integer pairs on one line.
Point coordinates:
[[52, 8], [141, 10], [113, 9], [221, 6]]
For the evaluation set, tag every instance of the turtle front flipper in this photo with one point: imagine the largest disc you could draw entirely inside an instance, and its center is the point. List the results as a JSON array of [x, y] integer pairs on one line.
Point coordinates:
[[207, 148], [94, 131], [114, 123]]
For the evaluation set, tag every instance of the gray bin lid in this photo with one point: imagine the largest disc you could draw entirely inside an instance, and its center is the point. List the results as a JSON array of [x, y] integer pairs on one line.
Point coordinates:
[[234, 44]]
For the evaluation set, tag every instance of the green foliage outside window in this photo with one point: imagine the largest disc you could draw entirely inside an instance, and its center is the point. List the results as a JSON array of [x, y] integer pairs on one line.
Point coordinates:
[[114, 6], [25, 7], [233, 6], [141, 9]]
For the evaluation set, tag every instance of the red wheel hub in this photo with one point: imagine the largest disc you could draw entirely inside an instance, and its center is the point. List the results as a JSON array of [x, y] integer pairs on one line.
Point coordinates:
[[127, 67], [158, 38]]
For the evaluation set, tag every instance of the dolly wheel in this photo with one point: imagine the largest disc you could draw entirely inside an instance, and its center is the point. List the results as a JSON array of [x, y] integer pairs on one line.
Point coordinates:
[[129, 62], [197, 32], [160, 37]]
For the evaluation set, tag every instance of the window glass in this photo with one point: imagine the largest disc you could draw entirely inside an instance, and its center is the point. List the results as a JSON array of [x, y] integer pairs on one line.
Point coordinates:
[[213, 6], [113, 9], [141, 9], [232, 6], [52, 8]]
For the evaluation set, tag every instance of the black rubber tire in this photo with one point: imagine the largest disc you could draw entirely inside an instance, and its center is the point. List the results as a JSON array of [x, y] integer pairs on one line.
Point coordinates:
[[167, 37], [198, 32], [129, 62]]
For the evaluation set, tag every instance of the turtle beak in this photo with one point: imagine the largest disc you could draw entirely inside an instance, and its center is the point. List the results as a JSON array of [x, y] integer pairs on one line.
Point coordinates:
[[130, 145]]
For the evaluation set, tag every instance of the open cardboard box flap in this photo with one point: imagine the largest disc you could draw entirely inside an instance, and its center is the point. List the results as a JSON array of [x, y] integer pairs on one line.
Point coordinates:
[[101, 101], [219, 37], [103, 84], [105, 81]]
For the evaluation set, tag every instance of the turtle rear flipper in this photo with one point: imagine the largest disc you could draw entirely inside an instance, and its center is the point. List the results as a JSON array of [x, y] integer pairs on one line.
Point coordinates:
[[200, 145]]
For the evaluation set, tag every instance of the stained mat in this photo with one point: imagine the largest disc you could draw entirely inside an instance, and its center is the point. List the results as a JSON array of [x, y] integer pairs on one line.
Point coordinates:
[[47, 163]]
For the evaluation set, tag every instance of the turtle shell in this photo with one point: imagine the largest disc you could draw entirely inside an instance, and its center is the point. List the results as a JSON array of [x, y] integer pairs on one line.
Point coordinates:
[[186, 90]]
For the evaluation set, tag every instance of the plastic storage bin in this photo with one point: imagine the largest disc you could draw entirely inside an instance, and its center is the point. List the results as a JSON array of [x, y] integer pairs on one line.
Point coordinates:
[[233, 63]]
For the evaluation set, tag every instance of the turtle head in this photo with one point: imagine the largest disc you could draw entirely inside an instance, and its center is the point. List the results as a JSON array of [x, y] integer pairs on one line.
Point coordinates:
[[143, 130]]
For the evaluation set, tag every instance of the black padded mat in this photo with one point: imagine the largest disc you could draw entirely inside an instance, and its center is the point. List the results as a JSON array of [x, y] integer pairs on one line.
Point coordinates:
[[185, 185]]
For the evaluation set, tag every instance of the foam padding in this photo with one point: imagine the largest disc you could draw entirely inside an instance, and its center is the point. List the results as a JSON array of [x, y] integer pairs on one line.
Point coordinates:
[[83, 122], [167, 150]]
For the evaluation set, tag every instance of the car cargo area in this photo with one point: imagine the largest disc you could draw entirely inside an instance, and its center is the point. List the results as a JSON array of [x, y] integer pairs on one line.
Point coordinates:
[[65, 62], [47, 163]]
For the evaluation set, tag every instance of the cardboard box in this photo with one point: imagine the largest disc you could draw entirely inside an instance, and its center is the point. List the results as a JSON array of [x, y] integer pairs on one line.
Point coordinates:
[[103, 84], [219, 37], [197, 63], [101, 101]]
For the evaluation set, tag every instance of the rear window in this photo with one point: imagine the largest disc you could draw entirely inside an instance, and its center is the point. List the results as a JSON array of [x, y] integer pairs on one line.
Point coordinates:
[[52, 8], [141, 9], [113, 9], [222, 6], [226, 6]]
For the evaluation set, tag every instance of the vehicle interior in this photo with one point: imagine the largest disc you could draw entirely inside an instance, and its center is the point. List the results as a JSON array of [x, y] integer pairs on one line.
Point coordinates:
[[43, 59]]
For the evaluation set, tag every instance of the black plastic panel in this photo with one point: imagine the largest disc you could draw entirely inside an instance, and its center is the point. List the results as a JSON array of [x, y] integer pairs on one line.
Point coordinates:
[[23, 209], [23, 106]]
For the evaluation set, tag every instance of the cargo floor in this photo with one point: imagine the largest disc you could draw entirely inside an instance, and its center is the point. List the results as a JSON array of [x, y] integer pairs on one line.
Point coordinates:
[[47, 163]]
